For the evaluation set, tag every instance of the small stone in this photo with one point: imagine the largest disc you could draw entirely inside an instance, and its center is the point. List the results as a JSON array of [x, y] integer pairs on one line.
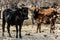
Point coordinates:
[[42, 31], [56, 36], [45, 35], [59, 28], [28, 34]]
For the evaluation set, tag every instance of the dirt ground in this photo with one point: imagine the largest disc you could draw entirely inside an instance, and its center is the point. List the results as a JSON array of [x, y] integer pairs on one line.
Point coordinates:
[[28, 29]]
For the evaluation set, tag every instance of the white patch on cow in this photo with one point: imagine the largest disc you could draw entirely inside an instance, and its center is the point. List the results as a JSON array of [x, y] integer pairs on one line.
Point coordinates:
[[50, 19], [54, 16]]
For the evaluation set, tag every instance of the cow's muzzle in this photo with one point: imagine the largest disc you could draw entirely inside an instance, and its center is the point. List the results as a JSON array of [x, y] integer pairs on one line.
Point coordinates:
[[25, 17]]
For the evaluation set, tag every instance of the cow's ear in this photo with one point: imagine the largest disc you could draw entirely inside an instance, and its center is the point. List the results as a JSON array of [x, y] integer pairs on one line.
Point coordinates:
[[20, 12], [36, 9]]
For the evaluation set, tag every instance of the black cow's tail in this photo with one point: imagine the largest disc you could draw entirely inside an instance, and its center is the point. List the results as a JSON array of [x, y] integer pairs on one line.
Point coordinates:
[[3, 24]]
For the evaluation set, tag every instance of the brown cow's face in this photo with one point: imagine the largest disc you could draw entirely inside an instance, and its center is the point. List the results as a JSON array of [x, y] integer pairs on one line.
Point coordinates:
[[33, 8]]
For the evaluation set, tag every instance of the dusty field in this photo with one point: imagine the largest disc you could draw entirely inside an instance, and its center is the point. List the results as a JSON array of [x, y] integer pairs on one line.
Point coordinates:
[[45, 35]]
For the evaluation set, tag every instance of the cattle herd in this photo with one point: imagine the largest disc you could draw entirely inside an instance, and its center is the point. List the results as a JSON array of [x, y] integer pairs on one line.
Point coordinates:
[[16, 17]]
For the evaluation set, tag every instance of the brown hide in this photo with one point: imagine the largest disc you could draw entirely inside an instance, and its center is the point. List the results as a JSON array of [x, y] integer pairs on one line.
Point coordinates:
[[47, 11]]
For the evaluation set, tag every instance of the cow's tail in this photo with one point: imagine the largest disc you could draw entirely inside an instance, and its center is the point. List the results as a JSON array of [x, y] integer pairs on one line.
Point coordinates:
[[33, 21], [3, 24]]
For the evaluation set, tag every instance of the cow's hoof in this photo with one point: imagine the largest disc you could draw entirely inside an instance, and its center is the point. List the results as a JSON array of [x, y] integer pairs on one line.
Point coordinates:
[[39, 31], [50, 31], [2, 34], [53, 32], [10, 36], [16, 36], [42, 31], [36, 31], [20, 37]]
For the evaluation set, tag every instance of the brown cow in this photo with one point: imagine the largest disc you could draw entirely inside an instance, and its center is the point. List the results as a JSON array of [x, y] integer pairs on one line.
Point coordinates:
[[50, 14]]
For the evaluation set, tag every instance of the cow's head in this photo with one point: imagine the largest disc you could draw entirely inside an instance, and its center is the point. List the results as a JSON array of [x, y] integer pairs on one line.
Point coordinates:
[[25, 12]]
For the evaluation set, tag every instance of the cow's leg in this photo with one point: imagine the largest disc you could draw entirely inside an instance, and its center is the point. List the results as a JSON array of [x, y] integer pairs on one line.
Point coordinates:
[[8, 28], [54, 23], [39, 21], [3, 27], [52, 26], [32, 18], [20, 27], [20, 32], [16, 31], [52, 29], [38, 28]]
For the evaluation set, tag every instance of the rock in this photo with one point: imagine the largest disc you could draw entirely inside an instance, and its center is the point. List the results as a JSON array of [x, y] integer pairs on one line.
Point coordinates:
[[59, 28], [27, 34], [56, 36], [42, 31], [45, 35]]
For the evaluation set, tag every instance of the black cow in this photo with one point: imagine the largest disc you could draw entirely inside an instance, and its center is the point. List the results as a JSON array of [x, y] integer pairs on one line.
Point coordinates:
[[16, 18]]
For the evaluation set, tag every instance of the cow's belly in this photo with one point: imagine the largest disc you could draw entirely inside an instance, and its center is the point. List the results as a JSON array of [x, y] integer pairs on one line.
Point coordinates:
[[12, 23], [16, 22]]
